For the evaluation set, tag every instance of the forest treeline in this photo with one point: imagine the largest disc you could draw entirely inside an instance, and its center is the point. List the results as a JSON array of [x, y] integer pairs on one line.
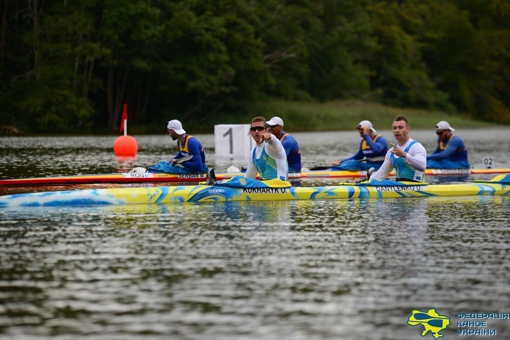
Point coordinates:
[[71, 64]]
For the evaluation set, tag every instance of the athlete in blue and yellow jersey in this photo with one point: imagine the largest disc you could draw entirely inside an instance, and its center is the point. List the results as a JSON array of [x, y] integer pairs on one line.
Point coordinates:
[[409, 158], [451, 153], [289, 143], [372, 150], [191, 155], [268, 158]]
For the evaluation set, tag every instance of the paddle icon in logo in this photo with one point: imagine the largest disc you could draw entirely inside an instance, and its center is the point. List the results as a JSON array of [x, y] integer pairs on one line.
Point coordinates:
[[430, 320]]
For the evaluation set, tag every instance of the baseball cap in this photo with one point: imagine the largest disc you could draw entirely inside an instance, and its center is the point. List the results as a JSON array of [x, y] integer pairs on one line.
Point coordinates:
[[176, 126], [443, 125], [275, 121], [366, 123]]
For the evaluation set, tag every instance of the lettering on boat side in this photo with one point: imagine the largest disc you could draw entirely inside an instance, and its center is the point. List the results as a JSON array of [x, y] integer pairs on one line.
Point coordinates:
[[139, 175], [191, 175], [451, 171], [212, 191], [401, 188], [265, 190]]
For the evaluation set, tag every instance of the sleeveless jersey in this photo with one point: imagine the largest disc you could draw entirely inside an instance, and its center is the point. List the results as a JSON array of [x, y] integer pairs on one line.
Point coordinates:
[[404, 169], [266, 165]]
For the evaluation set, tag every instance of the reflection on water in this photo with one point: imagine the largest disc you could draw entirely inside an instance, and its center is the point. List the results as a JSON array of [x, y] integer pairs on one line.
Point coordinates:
[[347, 269], [255, 270]]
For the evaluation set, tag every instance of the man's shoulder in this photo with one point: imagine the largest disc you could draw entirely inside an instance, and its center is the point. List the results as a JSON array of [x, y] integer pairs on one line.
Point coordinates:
[[415, 144], [289, 138], [378, 139], [193, 139]]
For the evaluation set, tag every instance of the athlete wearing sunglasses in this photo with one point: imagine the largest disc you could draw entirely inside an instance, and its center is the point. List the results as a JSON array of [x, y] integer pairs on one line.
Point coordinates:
[[451, 153], [268, 158]]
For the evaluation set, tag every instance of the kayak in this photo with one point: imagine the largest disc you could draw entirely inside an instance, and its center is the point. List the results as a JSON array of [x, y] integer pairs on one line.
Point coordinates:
[[499, 185], [200, 177]]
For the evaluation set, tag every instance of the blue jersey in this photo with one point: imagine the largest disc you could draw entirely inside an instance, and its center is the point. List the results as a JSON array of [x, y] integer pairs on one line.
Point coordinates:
[[453, 150], [373, 150], [292, 150], [192, 146]]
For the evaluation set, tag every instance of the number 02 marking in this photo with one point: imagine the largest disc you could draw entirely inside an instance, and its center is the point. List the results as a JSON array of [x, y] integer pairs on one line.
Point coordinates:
[[488, 162], [231, 142]]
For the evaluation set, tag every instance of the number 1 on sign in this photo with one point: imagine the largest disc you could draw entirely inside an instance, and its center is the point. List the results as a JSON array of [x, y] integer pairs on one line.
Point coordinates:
[[231, 142]]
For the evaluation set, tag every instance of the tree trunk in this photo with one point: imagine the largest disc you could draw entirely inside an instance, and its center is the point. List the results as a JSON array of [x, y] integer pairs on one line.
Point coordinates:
[[2, 34]]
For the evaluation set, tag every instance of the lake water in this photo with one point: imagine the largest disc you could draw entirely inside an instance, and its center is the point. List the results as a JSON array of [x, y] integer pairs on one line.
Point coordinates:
[[347, 269]]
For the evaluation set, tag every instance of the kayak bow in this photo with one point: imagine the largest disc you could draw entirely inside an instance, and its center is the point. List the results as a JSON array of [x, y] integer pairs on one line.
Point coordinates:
[[200, 177], [500, 185]]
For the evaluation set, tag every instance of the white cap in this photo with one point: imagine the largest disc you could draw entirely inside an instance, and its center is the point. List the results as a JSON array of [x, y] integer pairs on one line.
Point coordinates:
[[367, 124], [443, 125], [275, 121], [176, 126]]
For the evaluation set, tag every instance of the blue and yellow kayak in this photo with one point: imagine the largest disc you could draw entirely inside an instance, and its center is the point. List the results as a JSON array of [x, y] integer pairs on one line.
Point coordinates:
[[200, 177], [500, 185]]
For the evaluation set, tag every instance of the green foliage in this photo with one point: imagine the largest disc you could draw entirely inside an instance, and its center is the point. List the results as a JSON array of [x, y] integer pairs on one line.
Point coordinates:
[[70, 63], [400, 71], [340, 59], [346, 115]]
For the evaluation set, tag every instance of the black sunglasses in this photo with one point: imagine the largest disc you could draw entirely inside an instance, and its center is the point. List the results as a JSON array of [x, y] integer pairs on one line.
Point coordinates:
[[439, 133], [257, 128]]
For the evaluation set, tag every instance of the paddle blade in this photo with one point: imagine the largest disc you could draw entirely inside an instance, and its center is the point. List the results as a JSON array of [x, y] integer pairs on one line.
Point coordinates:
[[184, 159], [320, 168]]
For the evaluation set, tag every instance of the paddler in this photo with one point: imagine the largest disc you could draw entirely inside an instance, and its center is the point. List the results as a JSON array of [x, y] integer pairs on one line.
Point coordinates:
[[371, 153], [191, 155], [290, 144], [451, 153], [268, 157], [409, 157]]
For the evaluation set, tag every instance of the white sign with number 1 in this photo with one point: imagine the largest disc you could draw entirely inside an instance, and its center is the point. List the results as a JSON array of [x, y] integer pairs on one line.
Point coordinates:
[[233, 141]]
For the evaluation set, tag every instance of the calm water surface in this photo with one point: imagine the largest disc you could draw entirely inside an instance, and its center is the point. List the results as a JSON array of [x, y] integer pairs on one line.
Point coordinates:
[[260, 270]]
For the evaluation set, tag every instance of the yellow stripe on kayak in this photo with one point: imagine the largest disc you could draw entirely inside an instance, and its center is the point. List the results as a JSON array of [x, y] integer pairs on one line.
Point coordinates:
[[205, 193]]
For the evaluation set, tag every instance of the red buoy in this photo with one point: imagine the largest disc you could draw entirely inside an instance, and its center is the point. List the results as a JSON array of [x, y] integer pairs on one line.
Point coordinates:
[[125, 146]]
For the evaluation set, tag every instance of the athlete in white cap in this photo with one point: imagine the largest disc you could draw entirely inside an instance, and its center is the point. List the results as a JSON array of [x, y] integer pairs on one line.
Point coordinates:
[[372, 149], [291, 146], [451, 153], [191, 155]]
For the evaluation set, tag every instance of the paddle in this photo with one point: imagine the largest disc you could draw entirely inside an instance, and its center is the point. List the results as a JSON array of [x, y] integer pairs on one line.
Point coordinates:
[[359, 160], [183, 159], [321, 167], [142, 170]]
